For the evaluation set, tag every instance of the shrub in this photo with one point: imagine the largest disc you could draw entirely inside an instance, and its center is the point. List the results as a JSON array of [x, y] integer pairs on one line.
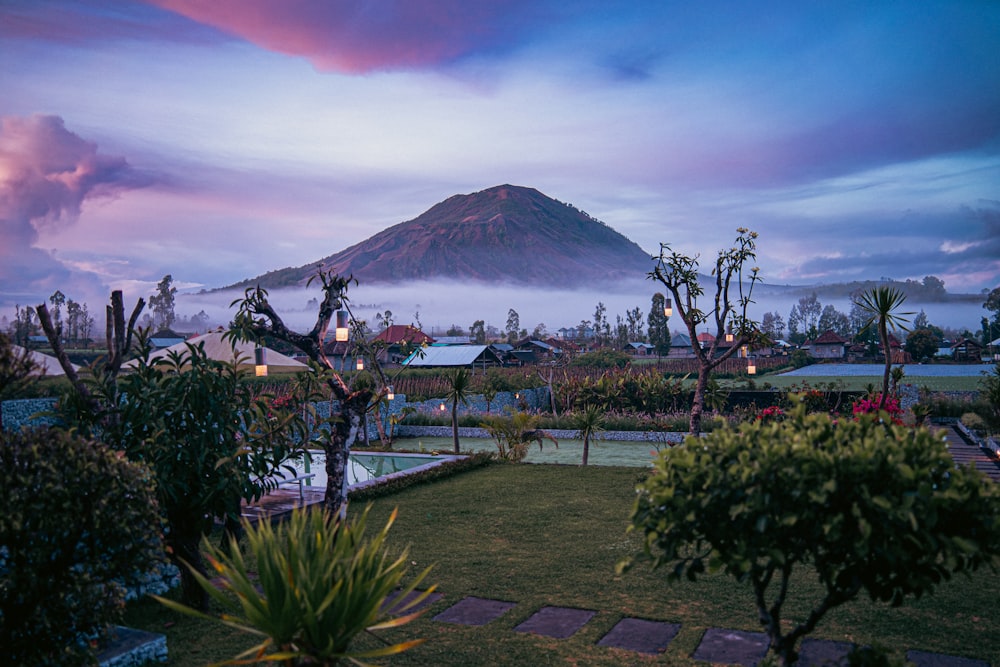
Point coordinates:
[[867, 506], [602, 359], [78, 521], [513, 434], [319, 583], [973, 422]]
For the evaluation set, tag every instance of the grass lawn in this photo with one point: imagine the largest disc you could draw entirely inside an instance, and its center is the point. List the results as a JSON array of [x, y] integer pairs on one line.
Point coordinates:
[[550, 535]]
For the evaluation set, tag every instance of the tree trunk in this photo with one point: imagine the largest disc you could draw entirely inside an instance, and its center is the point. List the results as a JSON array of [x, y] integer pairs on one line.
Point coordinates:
[[454, 424], [184, 552], [698, 403], [586, 447], [883, 333], [343, 434]]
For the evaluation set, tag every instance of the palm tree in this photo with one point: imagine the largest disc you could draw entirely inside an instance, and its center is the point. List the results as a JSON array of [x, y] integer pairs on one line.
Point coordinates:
[[590, 422], [459, 391], [880, 305]]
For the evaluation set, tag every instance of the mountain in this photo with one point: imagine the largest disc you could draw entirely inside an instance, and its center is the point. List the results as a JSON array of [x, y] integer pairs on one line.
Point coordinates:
[[506, 233]]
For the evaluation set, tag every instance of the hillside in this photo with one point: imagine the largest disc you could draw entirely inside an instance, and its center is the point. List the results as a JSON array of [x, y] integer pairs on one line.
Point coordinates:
[[506, 234]]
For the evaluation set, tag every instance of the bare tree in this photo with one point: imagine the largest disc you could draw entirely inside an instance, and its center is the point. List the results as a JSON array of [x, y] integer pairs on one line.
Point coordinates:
[[256, 318], [679, 274]]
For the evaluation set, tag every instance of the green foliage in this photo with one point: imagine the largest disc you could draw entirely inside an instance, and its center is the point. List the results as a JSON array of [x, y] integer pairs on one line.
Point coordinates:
[[78, 521], [801, 359], [603, 358], [867, 506], [318, 583], [458, 392], [589, 423], [514, 433], [922, 344], [990, 398], [210, 441], [16, 368], [973, 422]]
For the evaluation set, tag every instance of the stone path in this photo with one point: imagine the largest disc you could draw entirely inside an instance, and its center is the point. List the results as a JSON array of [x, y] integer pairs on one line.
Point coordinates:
[[717, 646]]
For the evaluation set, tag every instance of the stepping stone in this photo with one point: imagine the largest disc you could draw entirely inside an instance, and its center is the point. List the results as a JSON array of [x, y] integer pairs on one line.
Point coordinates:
[[475, 611], [128, 646], [558, 622], [823, 653], [394, 601], [732, 647], [928, 659], [642, 636]]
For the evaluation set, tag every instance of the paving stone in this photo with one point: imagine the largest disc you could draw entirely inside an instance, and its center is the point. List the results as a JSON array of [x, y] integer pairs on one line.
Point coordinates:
[[394, 601], [640, 635], [129, 647], [475, 611], [732, 647], [558, 622], [928, 659], [823, 653]]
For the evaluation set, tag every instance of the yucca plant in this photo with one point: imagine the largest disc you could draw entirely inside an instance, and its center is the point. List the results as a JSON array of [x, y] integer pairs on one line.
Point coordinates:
[[514, 432], [319, 584]]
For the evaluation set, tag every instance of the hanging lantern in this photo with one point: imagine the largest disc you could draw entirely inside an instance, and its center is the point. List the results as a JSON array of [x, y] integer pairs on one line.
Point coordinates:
[[443, 407], [729, 336], [360, 364], [745, 351], [667, 308], [342, 330], [751, 367], [260, 362], [389, 393]]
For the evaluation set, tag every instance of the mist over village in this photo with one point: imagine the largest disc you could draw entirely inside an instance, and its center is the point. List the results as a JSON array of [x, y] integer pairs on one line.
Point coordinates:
[[534, 332]]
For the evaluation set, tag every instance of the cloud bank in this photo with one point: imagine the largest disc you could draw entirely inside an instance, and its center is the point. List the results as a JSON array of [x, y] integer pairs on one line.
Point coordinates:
[[46, 174]]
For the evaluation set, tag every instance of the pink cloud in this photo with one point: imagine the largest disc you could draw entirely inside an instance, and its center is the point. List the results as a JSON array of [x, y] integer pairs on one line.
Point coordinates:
[[359, 37], [46, 173]]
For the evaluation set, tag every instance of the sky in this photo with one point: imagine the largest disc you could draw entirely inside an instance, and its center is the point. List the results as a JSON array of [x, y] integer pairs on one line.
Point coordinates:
[[215, 141]]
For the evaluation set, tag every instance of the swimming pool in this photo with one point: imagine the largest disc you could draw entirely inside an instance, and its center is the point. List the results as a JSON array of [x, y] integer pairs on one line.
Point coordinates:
[[367, 468]]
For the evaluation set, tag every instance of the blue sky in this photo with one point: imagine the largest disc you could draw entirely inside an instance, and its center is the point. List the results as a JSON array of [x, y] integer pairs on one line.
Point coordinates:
[[216, 141]]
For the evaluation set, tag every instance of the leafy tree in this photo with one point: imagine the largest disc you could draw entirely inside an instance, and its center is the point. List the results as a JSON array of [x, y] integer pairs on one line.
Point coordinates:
[[384, 320], [934, 288], [16, 369], [24, 325], [514, 433], [318, 583], [78, 521], [832, 319], [589, 422], [57, 300], [478, 332], [679, 274], [658, 325], [600, 321], [806, 314], [634, 318], [539, 331], [460, 384], [881, 305], [162, 302], [513, 325], [210, 442], [865, 505], [922, 344], [772, 325]]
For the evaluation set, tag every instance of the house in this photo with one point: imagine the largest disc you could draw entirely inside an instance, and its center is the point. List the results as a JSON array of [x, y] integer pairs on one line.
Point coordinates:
[[640, 349], [828, 345], [165, 338], [220, 348], [966, 349], [398, 341], [680, 347], [453, 356], [542, 350]]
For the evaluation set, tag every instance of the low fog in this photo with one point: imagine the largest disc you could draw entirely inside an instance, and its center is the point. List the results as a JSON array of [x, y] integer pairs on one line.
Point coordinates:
[[436, 306]]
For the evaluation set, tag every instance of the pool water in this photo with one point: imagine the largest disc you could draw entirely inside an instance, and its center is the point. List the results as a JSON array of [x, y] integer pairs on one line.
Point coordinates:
[[365, 468]]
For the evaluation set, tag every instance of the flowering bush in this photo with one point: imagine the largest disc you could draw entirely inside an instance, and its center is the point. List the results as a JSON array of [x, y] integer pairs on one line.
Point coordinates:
[[869, 405], [771, 414]]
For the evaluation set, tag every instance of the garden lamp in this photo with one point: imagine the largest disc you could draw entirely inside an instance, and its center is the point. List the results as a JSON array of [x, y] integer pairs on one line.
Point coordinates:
[[342, 330], [667, 308], [389, 393], [260, 361], [751, 367], [360, 364]]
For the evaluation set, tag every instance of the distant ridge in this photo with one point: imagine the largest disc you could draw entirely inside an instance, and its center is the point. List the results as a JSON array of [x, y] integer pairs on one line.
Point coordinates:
[[505, 234]]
